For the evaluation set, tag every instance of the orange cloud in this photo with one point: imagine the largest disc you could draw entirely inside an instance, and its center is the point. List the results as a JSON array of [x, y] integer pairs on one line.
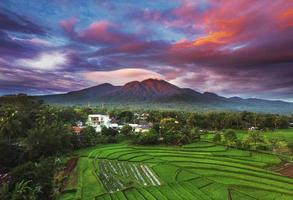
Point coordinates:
[[286, 18], [219, 37], [212, 38]]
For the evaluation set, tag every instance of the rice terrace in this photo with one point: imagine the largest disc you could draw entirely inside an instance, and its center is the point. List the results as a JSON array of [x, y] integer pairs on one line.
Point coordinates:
[[194, 171]]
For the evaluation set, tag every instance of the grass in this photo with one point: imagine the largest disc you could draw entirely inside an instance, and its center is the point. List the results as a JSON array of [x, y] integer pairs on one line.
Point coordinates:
[[90, 185], [196, 171], [167, 172], [286, 134]]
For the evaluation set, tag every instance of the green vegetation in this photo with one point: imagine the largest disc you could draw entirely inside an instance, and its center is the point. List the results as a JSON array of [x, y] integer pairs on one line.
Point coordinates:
[[286, 134], [185, 155], [200, 170]]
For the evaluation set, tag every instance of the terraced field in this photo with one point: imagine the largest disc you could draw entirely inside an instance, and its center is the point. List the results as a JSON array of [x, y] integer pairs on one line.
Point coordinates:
[[196, 171], [116, 175]]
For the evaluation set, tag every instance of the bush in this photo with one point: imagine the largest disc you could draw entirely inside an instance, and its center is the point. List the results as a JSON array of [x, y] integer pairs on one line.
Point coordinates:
[[217, 138], [48, 140], [149, 137], [10, 156], [230, 137], [109, 132], [40, 174], [126, 130]]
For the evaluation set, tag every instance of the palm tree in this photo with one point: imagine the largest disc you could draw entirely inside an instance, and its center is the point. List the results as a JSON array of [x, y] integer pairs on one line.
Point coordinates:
[[23, 191], [4, 191]]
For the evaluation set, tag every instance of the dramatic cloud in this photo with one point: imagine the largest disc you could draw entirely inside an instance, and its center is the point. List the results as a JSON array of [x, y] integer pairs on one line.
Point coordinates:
[[37, 82], [99, 32], [45, 61], [242, 47], [68, 25], [120, 77], [13, 22]]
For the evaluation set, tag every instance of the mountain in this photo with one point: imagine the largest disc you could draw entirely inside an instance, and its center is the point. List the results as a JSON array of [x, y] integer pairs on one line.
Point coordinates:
[[81, 96], [154, 93], [149, 90]]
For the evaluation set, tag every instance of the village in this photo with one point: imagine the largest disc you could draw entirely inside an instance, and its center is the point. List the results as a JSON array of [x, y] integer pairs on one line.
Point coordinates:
[[98, 121]]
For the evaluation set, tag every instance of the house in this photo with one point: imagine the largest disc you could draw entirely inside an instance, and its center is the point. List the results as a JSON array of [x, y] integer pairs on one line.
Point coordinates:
[[142, 116], [98, 121], [79, 124], [114, 126], [77, 129], [253, 128], [135, 127], [139, 128]]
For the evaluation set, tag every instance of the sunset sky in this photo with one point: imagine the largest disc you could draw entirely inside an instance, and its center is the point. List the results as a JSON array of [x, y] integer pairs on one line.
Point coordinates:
[[233, 48]]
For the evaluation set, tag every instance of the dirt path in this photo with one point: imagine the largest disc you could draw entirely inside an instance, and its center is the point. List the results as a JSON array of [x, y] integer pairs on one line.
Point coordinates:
[[286, 170], [68, 170], [70, 165]]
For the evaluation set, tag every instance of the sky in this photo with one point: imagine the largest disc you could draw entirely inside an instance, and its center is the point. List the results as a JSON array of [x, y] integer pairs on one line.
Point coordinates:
[[232, 48]]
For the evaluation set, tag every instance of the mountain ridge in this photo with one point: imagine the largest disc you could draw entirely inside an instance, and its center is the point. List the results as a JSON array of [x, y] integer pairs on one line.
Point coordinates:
[[160, 92]]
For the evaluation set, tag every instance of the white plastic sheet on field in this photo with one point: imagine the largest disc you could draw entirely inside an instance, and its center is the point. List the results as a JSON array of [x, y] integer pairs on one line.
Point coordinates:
[[114, 174]]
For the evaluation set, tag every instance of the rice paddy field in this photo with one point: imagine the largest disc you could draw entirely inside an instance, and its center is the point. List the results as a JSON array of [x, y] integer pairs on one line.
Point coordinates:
[[285, 134], [196, 171]]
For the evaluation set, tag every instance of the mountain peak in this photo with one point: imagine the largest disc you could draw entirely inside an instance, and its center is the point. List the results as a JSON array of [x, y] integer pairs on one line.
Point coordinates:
[[149, 88], [105, 85], [153, 80]]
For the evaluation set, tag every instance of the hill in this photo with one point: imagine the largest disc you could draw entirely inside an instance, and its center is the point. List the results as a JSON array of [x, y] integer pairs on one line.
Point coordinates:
[[153, 93]]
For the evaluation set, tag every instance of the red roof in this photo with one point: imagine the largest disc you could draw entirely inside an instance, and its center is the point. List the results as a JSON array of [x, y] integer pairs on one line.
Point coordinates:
[[76, 129]]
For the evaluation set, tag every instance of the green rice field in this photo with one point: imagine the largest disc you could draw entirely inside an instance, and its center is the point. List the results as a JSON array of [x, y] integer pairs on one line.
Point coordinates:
[[196, 171], [285, 134]]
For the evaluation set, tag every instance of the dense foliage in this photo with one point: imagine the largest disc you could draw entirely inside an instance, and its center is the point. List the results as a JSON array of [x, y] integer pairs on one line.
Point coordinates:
[[34, 136]]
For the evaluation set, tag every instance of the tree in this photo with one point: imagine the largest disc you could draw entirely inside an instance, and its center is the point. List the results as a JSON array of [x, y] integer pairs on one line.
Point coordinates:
[[149, 137], [254, 138], [276, 144], [156, 127], [88, 137], [126, 130], [186, 136], [230, 137], [48, 140], [10, 125], [39, 174], [191, 120], [5, 194], [168, 125], [10, 156], [23, 191], [125, 116], [194, 134], [109, 132], [217, 138]]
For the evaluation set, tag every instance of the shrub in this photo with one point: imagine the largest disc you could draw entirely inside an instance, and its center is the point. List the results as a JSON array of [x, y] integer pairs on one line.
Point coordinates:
[[217, 138], [126, 130]]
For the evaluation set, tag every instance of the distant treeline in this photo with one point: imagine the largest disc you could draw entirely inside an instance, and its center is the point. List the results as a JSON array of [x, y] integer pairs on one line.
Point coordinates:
[[225, 120]]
